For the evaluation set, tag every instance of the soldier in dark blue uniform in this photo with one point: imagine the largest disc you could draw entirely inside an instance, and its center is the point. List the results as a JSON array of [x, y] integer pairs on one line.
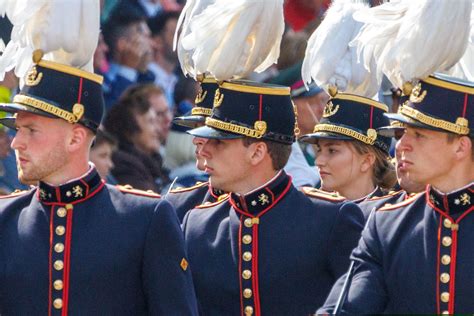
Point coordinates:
[[73, 245], [416, 257], [267, 249], [185, 199]]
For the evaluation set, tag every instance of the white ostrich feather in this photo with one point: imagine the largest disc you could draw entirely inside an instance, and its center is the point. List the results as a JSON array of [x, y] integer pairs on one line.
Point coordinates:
[[411, 39], [231, 39], [66, 30], [330, 61], [190, 10]]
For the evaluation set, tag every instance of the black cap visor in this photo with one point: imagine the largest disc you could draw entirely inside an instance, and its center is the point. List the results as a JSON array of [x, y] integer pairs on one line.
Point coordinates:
[[412, 122], [314, 137], [212, 133], [191, 121]]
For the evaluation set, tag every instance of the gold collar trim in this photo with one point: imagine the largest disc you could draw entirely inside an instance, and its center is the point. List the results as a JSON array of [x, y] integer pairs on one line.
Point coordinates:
[[428, 120]]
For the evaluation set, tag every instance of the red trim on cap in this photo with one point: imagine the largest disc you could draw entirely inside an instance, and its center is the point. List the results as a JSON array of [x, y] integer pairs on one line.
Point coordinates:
[[79, 95], [438, 308], [50, 272], [240, 266], [67, 260], [260, 107], [371, 116], [465, 105]]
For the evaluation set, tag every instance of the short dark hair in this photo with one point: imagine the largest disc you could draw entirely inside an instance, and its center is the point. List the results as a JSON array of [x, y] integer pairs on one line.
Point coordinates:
[[120, 120], [104, 137], [451, 137], [279, 152], [158, 23]]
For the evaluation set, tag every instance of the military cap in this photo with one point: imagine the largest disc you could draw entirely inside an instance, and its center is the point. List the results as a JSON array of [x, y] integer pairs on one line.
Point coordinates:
[[256, 110], [204, 102], [59, 91], [440, 103], [352, 117]]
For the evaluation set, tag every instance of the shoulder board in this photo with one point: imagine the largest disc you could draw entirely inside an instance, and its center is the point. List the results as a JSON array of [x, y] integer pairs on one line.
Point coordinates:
[[14, 194], [197, 185], [409, 200], [320, 194], [211, 204], [391, 193], [129, 189]]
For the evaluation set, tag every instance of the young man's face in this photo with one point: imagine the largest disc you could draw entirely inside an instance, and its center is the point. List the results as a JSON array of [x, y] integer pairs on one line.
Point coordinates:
[[101, 156], [40, 146], [425, 156], [228, 163]]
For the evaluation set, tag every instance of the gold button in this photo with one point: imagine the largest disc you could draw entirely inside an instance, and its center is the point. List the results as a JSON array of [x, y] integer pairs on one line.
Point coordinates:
[[447, 241], [248, 222], [58, 285], [447, 223], [60, 230], [246, 274], [444, 277], [59, 247], [58, 303], [445, 313], [247, 293], [247, 239], [445, 260], [248, 310], [58, 265], [445, 297], [61, 212], [247, 256]]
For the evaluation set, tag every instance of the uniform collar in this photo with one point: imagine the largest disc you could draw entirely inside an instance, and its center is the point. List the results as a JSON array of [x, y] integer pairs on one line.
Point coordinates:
[[264, 197], [71, 192], [454, 202], [376, 192]]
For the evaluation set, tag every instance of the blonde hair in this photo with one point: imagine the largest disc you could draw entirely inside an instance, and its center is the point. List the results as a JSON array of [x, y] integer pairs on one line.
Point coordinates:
[[383, 174]]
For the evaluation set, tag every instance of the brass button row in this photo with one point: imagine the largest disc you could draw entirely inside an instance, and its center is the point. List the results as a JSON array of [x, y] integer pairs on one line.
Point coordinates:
[[248, 310], [247, 239]]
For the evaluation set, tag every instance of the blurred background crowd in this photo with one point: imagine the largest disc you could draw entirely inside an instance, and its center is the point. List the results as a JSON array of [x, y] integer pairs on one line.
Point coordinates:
[[144, 89]]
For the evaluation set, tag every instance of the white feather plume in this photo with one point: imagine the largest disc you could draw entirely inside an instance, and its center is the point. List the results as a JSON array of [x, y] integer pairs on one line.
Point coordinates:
[[66, 30], [330, 61], [411, 39], [190, 10], [231, 39]]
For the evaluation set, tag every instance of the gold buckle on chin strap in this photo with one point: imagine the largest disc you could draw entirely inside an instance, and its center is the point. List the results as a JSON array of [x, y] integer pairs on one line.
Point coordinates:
[[367, 139], [259, 130], [460, 127], [72, 118]]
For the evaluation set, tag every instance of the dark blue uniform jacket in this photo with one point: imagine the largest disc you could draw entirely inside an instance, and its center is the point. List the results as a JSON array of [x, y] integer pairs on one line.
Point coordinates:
[[86, 248], [274, 251]]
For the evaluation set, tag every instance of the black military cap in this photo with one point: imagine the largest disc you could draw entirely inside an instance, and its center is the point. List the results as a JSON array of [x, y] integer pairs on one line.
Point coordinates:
[[439, 103], [245, 108], [59, 91], [349, 117], [204, 102]]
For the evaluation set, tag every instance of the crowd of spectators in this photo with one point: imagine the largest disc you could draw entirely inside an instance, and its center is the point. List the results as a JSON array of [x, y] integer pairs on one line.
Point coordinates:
[[144, 88]]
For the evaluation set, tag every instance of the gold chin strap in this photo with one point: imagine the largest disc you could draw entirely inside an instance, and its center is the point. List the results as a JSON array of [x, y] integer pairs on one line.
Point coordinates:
[[259, 130], [367, 139]]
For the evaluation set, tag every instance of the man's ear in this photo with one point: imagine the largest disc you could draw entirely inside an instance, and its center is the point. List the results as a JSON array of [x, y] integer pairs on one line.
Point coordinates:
[[257, 152], [464, 147], [79, 137]]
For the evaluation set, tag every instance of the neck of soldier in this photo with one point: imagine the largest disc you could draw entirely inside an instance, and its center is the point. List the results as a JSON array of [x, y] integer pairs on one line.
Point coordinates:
[[258, 178], [75, 169], [459, 176], [357, 188]]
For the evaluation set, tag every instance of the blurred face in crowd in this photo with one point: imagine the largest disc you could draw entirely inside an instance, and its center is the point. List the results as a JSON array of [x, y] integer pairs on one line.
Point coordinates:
[[147, 139], [310, 110], [40, 146], [199, 143], [164, 117], [339, 165], [100, 54], [101, 156], [163, 42], [419, 155], [5, 141]]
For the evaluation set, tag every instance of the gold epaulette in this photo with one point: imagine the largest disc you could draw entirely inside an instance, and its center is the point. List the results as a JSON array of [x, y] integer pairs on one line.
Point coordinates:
[[15, 193], [129, 189], [389, 194], [197, 185], [389, 207], [317, 193], [223, 198]]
